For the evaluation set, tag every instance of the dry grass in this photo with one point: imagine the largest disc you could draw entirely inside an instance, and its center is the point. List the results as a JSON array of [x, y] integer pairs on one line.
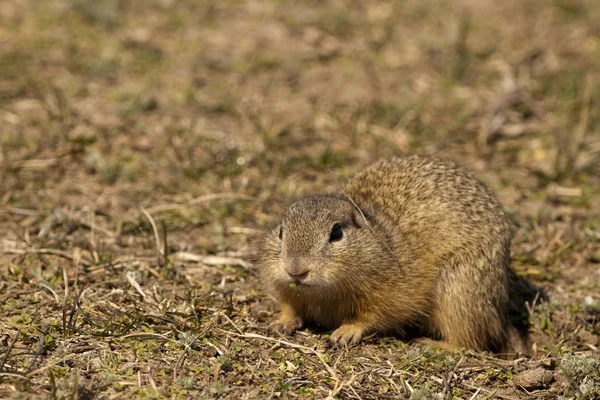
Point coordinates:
[[140, 148]]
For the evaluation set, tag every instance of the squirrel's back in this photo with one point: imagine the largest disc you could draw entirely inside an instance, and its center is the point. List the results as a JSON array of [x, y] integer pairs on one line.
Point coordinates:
[[430, 199]]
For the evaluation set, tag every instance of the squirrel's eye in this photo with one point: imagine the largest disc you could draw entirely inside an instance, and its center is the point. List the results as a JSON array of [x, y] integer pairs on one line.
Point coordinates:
[[280, 232], [336, 233]]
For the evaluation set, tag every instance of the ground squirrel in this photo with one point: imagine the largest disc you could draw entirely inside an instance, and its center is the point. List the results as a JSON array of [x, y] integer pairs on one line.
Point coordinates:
[[411, 242]]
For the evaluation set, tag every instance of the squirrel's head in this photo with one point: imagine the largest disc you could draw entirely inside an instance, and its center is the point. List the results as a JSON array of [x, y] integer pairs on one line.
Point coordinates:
[[319, 239]]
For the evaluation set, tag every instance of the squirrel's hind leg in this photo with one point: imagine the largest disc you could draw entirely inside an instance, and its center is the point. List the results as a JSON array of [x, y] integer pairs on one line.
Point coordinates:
[[471, 305]]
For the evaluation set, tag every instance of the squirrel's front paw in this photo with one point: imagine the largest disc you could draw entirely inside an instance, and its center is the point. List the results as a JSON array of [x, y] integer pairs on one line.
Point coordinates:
[[287, 325], [347, 335]]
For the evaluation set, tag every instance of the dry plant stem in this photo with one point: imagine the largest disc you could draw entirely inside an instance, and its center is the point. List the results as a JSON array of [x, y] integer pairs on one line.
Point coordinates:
[[40, 348], [52, 386], [492, 392], [72, 316], [148, 336], [211, 260], [232, 323], [64, 308], [159, 254], [137, 287], [339, 388], [475, 394], [75, 394], [48, 288], [448, 378], [93, 238], [13, 375], [55, 252], [584, 116], [151, 379], [531, 311], [565, 161], [8, 350], [165, 243]]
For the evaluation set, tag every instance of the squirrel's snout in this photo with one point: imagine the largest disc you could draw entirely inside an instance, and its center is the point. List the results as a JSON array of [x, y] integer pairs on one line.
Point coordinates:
[[296, 270], [298, 277]]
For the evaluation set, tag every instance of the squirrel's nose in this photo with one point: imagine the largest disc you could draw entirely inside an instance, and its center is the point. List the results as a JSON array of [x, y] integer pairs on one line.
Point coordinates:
[[295, 269], [298, 276]]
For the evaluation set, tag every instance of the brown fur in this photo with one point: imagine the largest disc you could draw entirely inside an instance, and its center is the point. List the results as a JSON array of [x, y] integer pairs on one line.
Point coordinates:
[[425, 245]]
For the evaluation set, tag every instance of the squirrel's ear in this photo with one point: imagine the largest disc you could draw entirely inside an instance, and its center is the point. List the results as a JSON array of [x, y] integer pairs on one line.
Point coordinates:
[[359, 219]]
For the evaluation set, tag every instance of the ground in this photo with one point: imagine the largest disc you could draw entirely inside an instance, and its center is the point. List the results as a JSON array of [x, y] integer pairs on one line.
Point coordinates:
[[142, 145]]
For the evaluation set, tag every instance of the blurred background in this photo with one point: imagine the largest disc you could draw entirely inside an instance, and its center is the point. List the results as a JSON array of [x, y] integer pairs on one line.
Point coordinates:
[[193, 97], [131, 131]]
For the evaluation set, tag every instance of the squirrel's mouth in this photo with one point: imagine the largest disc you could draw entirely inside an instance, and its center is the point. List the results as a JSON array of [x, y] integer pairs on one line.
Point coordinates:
[[307, 284], [304, 281], [297, 284]]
